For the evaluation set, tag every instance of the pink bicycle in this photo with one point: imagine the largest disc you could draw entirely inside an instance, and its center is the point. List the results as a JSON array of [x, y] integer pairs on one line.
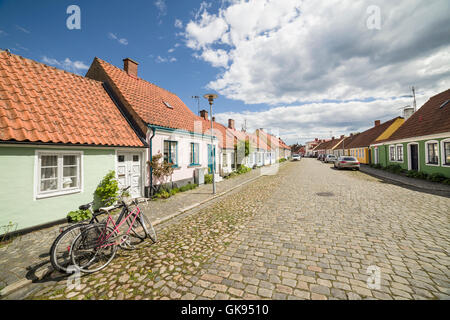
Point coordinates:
[[95, 247]]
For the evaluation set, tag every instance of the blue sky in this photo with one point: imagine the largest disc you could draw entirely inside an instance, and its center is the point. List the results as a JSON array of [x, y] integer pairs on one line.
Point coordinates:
[[301, 69], [37, 29]]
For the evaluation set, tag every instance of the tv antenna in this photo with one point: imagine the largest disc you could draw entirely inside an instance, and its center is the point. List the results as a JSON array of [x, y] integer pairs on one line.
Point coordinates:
[[198, 104]]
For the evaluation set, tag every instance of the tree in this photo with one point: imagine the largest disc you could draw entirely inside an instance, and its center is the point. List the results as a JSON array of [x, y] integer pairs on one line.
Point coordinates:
[[161, 170], [242, 150]]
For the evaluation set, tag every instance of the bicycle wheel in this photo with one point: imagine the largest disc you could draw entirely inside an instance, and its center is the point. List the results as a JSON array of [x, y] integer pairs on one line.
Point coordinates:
[[60, 249], [94, 248], [148, 227]]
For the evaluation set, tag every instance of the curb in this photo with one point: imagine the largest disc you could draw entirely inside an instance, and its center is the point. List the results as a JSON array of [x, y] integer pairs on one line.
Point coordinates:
[[23, 282], [407, 183], [169, 217]]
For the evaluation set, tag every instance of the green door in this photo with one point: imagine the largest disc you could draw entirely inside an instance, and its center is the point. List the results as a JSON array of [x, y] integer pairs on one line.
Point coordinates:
[[211, 158]]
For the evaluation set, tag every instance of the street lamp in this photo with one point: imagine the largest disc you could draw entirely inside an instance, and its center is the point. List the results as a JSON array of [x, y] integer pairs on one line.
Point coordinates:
[[210, 97]]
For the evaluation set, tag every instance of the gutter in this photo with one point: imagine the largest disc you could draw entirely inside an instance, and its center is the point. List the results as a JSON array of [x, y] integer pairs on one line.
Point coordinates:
[[150, 193]]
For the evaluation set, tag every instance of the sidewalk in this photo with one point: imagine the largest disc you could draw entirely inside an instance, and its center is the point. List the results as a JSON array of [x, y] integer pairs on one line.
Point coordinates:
[[27, 257], [416, 183]]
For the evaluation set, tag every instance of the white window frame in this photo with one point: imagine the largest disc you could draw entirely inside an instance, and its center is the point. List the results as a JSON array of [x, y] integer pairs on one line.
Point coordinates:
[[392, 155], [396, 154], [426, 153], [60, 191], [443, 152]]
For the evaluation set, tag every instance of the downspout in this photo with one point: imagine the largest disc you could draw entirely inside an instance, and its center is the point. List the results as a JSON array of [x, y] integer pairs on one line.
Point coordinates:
[[150, 193]]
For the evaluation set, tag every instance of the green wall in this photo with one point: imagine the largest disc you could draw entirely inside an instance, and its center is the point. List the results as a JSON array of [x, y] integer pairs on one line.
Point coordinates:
[[423, 167], [17, 186]]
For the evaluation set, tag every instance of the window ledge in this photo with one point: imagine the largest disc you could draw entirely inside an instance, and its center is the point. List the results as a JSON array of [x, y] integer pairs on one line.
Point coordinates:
[[432, 164], [57, 194], [194, 165]]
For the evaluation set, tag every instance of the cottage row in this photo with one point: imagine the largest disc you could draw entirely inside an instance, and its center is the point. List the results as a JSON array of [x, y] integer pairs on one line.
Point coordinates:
[[419, 142], [61, 133]]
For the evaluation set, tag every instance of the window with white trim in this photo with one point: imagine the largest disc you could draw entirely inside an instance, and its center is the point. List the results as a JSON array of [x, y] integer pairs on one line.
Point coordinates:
[[432, 152], [392, 153], [58, 173], [399, 152], [446, 152]]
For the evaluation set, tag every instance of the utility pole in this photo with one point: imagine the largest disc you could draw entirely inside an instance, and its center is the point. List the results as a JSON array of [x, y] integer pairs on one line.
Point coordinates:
[[211, 98]]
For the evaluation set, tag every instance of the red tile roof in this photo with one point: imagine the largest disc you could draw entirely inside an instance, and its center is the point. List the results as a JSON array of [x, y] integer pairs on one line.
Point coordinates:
[[347, 141], [152, 104], [39, 103], [430, 119], [366, 138]]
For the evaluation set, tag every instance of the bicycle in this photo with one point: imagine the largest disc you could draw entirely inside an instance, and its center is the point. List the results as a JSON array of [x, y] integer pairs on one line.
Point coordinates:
[[60, 249], [95, 247]]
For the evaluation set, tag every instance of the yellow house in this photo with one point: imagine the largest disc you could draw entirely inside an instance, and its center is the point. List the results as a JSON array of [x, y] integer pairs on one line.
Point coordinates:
[[359, 146]]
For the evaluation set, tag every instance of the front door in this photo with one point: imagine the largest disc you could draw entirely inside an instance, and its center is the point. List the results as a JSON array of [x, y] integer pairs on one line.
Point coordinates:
[[413, 149], [129, 172], [211, 158]]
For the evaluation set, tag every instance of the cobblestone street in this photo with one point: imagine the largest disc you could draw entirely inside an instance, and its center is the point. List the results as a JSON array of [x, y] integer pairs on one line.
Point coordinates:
[[309, 232]]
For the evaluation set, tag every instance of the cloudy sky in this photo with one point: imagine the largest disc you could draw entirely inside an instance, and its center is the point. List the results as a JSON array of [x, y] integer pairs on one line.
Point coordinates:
[[304, 69]]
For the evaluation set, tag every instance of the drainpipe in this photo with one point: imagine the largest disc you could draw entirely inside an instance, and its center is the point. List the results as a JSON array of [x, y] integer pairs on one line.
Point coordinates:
[[150, 193]]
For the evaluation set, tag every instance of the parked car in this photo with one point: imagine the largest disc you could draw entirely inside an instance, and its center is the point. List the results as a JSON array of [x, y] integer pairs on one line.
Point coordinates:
[[296, 157], [347, 162], [330, 158], [320, 156]]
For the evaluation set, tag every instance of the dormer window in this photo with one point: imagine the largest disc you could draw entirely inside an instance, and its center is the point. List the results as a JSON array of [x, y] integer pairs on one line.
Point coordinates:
[[168, 105], [444, 104]]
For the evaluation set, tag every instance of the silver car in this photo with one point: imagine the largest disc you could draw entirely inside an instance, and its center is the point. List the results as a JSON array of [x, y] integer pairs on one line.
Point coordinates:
[[329, 158], [296, 157], [347, 162]]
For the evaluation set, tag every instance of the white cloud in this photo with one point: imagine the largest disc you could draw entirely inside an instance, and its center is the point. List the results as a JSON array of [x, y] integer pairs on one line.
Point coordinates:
[[302, 123], [3, 33], [66, 64], [178, 24], [22, 29], [171, 50], [160, 59], [122, 41], [294, 51], [162, 7], [297, 55]]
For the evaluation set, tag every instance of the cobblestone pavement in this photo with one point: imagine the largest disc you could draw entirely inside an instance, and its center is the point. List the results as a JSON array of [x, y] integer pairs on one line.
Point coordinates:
[[309, 232], [27, 257]]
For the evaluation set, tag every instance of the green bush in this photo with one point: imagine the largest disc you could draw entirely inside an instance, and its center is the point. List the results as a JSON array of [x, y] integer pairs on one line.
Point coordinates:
[[411, 174], [208, 178], [243, 169], [446, 181], [422, 175], [436, 177], [282, 160], [79, 215], [162, 194], [188, 186], [394, 168], [108, 188]]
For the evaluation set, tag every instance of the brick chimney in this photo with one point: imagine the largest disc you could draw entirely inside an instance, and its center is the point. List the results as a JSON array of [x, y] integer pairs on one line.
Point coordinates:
[[204, 114], [130, 66], [231, 123], [377, 123]]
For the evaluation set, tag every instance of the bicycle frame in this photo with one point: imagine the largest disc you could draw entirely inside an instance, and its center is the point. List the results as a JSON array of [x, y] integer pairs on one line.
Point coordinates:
[[104, 237]]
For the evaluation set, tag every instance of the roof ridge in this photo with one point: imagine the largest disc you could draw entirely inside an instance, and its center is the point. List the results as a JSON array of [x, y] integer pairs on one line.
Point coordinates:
[[48, 66], [137, 78]]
